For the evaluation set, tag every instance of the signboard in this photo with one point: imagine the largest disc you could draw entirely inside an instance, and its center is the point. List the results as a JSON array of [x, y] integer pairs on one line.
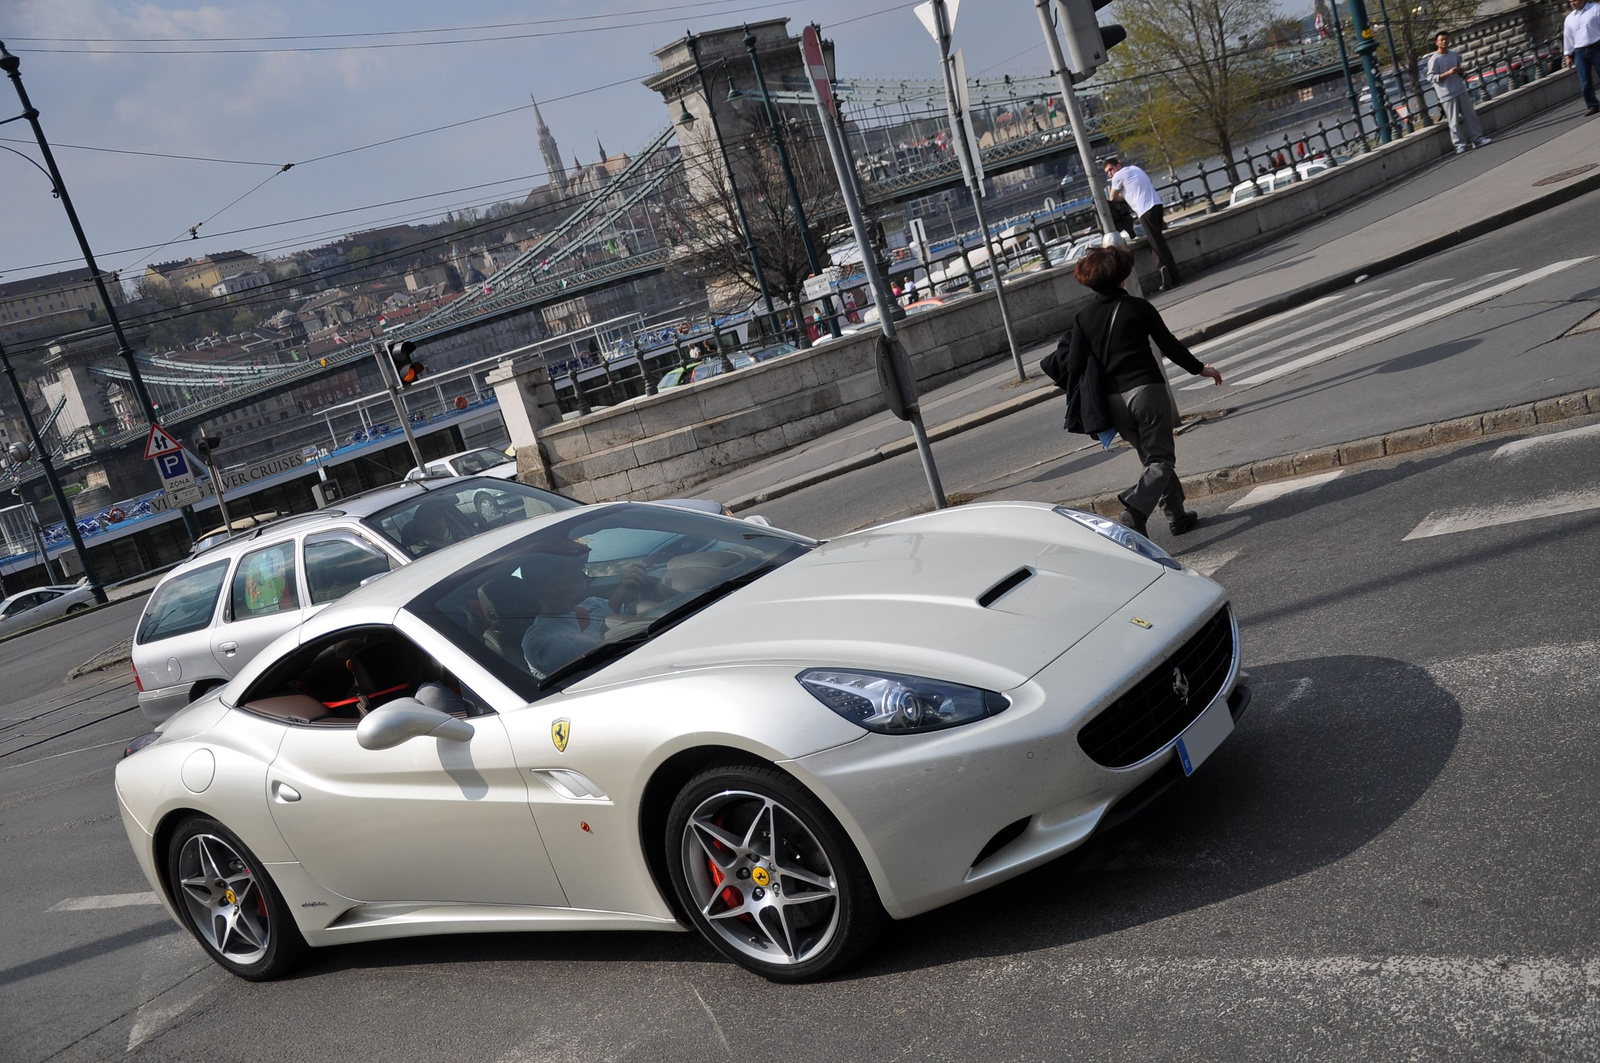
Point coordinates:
[[177, 479], [160, 442], [817, 69], [828, 281], [245, 475]]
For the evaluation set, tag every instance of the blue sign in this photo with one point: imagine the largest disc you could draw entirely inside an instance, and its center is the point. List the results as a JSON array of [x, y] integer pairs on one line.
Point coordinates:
[[171, 466]]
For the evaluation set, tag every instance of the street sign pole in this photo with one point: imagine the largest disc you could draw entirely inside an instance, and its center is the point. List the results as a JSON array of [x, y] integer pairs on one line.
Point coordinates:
[[894, 357], [955, 89]]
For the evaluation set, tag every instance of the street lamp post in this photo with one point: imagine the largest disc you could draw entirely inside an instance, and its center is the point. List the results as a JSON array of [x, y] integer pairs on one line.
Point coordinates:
[[12, 66], [50, 479], [1367, 49], [733, 185], [812, 258], [1344, 61]]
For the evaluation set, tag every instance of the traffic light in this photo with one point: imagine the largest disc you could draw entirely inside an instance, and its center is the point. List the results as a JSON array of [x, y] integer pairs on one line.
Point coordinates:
[[406, 370], [205, 445], [1087, 40]]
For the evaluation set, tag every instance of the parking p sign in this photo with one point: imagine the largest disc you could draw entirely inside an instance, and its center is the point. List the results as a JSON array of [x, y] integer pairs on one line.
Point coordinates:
[[177, 479]]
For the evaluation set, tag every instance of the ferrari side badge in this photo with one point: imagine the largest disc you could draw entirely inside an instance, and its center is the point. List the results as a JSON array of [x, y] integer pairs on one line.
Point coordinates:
[[559, 731], [1141, 622]]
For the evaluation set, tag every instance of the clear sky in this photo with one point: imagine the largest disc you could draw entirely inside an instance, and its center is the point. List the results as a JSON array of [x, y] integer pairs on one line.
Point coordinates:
[[262, 103]]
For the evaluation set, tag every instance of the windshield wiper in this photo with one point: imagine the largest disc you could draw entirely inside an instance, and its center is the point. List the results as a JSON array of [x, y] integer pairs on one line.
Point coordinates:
[[591, 659]]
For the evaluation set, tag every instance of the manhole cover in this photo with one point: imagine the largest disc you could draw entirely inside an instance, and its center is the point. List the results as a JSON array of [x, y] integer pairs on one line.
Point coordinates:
[[1557, 178]]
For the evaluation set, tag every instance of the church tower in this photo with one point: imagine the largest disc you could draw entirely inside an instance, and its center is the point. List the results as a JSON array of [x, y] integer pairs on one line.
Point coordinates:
[[551, 153]]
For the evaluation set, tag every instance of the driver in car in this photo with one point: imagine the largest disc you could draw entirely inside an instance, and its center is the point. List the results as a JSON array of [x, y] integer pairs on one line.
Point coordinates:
[[571, 621]]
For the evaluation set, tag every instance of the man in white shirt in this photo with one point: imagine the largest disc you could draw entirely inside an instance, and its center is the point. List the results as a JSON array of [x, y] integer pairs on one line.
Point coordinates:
[[1580, 42], [1443, 69], [1132, 185]]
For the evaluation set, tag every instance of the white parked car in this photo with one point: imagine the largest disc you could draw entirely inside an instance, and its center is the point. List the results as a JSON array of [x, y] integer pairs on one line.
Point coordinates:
[[633, 716], [27, 608], [482, 461], [1267, 183]]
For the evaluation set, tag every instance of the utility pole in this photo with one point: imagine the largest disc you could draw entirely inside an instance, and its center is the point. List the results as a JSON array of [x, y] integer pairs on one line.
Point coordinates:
[[900, 386], [955, 90], [813, 260], [1080, 129], [43, 454], [12, 66]]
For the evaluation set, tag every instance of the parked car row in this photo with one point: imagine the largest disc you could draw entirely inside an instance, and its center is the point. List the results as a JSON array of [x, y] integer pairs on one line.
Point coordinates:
[[1268, 183]]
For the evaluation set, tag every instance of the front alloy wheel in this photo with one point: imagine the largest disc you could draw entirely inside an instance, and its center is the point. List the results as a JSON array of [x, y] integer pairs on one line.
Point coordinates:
[[768, 876], [229, 903]]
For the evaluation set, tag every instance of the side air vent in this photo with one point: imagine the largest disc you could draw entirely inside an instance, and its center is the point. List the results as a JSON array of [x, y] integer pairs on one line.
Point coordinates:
[[1005, 586]]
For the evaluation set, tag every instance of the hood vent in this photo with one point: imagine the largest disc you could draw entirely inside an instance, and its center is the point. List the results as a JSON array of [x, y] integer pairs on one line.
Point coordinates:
[[1005, 586]]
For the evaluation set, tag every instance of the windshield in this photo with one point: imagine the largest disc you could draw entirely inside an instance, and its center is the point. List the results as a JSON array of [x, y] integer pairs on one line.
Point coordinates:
[[593, 587], [475, 461], [455, 513]]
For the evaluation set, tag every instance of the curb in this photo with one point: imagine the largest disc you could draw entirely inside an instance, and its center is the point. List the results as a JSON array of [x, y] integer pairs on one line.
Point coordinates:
[[1443, 242], [1212, 329], [1342, 455], [965, 423]]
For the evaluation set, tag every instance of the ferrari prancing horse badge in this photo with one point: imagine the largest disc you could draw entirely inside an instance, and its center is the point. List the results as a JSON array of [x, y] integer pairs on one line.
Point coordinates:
[[559, 732]]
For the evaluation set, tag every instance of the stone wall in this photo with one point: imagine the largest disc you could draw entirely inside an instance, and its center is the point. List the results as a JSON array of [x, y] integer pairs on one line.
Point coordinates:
[[663, 445]]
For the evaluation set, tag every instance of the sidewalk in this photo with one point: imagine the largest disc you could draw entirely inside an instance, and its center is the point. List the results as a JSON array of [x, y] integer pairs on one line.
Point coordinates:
[[1442, 205]]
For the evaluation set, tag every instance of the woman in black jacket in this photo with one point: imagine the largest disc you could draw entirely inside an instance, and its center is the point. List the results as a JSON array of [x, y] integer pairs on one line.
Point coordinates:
[[1126, 389]]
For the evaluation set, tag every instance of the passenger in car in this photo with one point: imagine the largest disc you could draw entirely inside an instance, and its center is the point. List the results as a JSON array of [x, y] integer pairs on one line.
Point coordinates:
[[572, 620]]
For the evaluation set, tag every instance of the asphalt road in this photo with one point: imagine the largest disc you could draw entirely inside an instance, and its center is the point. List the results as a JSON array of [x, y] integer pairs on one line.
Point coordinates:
[[1392, 857], [38, 660], [1497, 353]]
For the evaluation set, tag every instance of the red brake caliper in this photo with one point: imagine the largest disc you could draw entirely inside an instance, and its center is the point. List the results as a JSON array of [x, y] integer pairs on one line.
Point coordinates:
[[730, 895]]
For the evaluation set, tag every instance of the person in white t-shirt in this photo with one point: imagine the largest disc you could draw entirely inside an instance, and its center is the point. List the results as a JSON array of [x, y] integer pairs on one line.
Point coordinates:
[[1580, 43], [1132, 185]]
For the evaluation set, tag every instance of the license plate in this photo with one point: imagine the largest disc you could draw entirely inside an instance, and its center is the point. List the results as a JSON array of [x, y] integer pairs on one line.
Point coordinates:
[[1201, 738]]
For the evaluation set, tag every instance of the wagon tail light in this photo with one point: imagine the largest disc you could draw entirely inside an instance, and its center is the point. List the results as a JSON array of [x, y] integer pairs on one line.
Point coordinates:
[[137, 682]]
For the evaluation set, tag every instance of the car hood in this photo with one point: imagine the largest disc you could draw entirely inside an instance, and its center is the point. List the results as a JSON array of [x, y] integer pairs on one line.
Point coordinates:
[[905, 597]]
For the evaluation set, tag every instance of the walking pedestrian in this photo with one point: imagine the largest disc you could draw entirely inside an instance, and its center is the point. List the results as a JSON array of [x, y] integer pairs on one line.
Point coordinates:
[[1443, 69], [1132, 185], [1124, 387], [1580, 43]]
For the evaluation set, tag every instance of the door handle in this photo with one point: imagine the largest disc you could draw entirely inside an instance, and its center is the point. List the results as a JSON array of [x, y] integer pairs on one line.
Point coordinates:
[[229, 648], [285, 793]]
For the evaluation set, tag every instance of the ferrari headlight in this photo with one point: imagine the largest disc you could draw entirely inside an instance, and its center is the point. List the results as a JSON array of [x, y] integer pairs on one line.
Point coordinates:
[[899, 704], [1121, 535]]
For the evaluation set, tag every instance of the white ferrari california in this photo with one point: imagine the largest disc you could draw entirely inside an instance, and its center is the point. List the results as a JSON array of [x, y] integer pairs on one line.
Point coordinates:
[[631, 716]]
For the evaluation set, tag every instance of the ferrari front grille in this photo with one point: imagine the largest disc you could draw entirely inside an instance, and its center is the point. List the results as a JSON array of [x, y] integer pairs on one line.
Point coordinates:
[[1165, 701]]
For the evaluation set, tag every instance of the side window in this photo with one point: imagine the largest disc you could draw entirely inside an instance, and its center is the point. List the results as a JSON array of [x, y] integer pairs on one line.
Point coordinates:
[[264, 583], [183, 604], [339, 678], [337, 562]]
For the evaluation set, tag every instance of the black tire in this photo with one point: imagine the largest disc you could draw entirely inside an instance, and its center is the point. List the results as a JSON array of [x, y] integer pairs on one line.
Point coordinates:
[[78, 608], [828, 928], [267, 917]]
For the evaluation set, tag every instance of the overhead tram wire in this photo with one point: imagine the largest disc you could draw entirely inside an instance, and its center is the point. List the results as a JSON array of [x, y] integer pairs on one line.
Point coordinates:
[[387, 33]]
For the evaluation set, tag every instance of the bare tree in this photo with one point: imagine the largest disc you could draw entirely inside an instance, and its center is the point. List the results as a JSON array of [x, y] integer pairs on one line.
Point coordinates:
[[1199, 56], [705, 218]]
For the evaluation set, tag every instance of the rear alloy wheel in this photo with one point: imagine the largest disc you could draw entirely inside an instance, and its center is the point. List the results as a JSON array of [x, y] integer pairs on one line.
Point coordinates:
[[768, 876], [79, 607], [229, 904]]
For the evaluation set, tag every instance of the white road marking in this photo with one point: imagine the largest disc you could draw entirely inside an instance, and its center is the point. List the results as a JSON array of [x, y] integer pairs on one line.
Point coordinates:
[[1426, 317], [175, 976], [111, 900], [1471, 518], [1207, 562], [1266, 323], [1322, 336], [1274, 491], [1519, 446]]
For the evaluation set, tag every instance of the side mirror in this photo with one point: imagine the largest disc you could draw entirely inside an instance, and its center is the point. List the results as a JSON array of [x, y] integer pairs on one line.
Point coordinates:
[[405, 718]]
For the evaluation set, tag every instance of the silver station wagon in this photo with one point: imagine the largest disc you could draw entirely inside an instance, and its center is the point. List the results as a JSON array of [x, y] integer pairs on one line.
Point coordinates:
[[216, 611]]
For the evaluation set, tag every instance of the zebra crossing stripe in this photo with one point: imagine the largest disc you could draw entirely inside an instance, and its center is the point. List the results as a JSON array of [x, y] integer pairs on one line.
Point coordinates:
[[1426, 317], [1266, 323], [1519, 446], [1472, 518], [1368, 320]]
